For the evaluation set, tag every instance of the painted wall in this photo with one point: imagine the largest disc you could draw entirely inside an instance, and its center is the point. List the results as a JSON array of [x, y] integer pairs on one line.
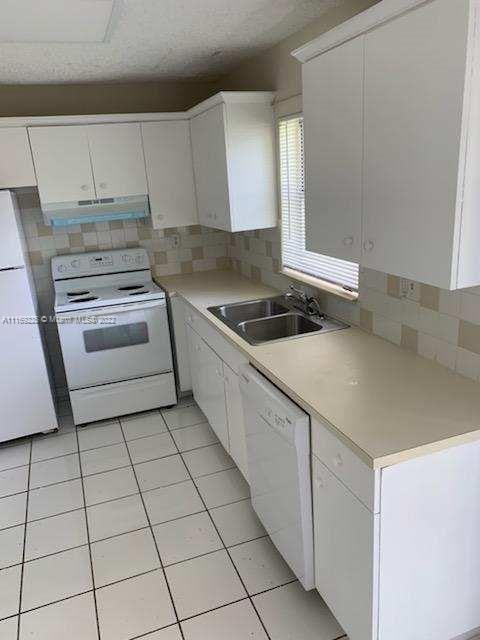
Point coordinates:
[[77, 99], [276, 69]]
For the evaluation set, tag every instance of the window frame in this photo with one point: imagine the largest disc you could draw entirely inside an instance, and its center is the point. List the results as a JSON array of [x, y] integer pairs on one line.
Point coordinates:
[[300, 276]]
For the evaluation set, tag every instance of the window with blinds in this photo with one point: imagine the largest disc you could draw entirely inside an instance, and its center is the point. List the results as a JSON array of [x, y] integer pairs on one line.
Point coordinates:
[[292, 202]]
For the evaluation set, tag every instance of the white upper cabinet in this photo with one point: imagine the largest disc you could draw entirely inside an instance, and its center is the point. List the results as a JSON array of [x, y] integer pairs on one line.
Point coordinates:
[[333, 132], [16, 165], [233, 141], [117, 159], [168, 160], [88, 161], [419, 121], [414, 108], [62, 163]]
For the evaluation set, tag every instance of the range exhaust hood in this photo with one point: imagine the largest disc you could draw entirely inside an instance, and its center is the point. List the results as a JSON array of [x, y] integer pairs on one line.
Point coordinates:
[[62, 214]]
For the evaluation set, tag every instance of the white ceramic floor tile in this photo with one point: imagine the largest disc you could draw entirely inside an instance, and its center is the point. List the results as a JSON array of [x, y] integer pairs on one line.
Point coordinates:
[[237, 621], [161, 473], [200, 435], [204, 583], [183, 417], [291, 612], [119, 516], [53, 446], [134, 607], [260, 565], [110, 485], [186, 538], [11, 546], [107, 458], [58, 621], [208, 460], [223, 488], [151, 448], [56, 577], [143, 424], [55, 534], [124, 556], [99, 435], [55, 499], [237, 522], [56, 470], [13, 510], [10, 591], [8, 629], [13, 481], [16, 455], [170, 633], [171, 502]]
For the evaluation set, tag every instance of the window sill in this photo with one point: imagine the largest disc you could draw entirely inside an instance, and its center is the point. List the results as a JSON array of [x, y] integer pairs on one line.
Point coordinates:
[[318, 283]]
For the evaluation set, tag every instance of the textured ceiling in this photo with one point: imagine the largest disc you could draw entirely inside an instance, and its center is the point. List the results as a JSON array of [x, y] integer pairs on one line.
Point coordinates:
[[162, 39]]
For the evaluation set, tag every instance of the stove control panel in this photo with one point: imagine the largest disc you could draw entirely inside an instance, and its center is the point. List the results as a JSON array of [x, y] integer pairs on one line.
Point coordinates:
[[99, 262]]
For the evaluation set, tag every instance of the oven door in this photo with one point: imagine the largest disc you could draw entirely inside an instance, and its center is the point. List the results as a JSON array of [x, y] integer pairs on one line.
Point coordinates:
[[111, 344]]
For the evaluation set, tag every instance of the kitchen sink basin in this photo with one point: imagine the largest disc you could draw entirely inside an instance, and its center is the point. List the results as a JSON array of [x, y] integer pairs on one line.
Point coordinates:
[[252, 310], [271, 319], [278, 327]]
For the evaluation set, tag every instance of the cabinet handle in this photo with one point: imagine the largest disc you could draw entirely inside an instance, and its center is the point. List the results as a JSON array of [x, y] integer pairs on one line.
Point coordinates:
[[103, 185], [368, 245], [319, 482], [219, 373], [84, 187], [338, 461], [348, 241]]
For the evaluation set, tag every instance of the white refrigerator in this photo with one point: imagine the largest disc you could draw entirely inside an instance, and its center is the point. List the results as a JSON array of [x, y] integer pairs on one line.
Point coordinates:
[[26, 401]]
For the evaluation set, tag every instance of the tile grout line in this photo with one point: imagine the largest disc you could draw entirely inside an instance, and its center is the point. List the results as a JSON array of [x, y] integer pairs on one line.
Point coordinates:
[[20, 594], [224, 546], [88, 539], [153, 536]]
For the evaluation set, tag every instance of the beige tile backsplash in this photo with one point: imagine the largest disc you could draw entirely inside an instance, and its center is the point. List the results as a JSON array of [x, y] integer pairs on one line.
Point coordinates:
[[199, 249], [440, 325]]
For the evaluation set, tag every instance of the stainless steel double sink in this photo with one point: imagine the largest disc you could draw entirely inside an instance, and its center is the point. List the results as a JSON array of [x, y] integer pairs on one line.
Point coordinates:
[[272, 319]]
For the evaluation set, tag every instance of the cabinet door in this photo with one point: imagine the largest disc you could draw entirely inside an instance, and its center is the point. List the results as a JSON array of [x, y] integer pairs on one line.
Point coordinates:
[[117, 159], [414, 86], [344, 532], [168, 159], [208, 385], [16, 166], [210, 165], [181, 344], [333, 123], [236, 422], [62, 163]]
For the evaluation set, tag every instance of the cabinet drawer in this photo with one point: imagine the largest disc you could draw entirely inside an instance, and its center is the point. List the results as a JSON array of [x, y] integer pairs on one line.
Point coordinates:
[[212, 337], [343, 463]]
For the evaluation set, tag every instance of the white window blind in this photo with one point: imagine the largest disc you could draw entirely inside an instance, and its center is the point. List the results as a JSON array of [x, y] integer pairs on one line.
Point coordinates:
[[292, 188]]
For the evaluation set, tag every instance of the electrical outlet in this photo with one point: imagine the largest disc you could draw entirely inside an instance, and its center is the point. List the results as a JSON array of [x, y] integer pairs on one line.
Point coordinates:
[[410, 289], [173, 242]]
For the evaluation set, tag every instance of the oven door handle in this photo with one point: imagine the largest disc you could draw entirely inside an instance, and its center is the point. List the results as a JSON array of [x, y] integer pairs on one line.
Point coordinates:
[[113, 310]]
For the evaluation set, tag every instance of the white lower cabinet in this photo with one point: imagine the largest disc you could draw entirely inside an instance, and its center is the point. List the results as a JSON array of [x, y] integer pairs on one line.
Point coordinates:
[[216, 387], [344, 544], [208, 385], [236, 422]]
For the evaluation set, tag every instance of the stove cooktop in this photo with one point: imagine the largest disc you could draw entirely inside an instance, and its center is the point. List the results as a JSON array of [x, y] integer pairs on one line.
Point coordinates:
[[83, 298]]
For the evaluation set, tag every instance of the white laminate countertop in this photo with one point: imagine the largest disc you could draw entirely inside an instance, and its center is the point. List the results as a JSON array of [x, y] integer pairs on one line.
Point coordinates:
[[387, 404]]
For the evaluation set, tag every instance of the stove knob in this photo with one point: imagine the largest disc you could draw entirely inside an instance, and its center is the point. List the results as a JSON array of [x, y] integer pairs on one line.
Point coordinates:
[[126, 257], [75, 264], [61, 268], [139, 259]]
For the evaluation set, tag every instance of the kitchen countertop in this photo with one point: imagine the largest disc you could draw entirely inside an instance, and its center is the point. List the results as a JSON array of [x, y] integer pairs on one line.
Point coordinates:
[[387, 404]]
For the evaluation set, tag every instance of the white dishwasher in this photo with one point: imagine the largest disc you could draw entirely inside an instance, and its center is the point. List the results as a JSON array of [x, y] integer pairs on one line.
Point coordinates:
[[278, 452]]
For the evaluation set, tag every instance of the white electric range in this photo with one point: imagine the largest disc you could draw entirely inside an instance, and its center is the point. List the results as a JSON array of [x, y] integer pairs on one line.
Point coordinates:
[[114, 333]]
